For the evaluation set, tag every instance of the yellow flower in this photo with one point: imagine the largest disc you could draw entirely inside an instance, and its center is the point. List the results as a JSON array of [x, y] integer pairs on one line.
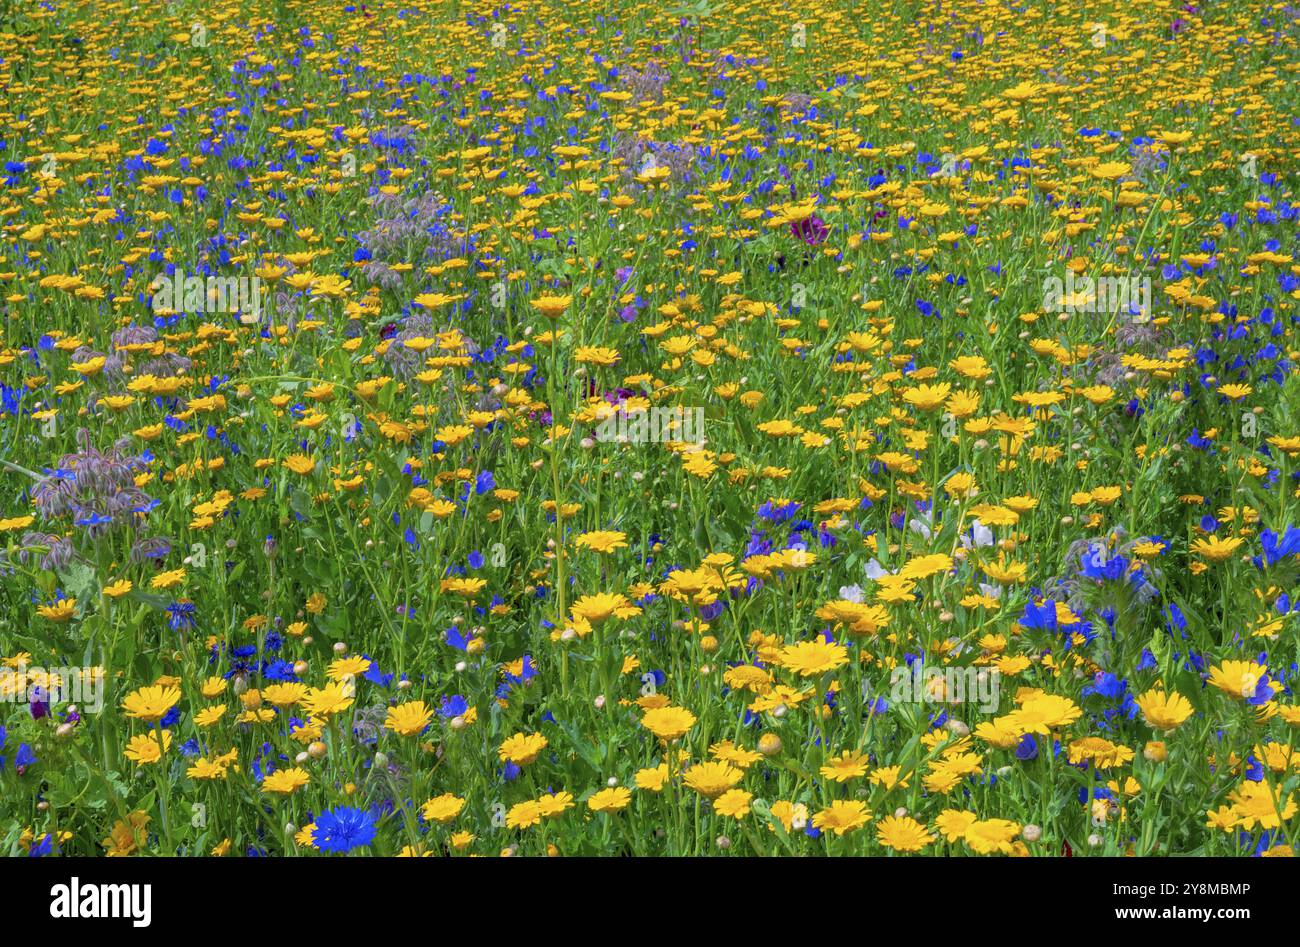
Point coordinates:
[[555, 803], [1215, 549], [1110, 170], [216, 768], [1164, 711], [596, 355], [552, 307], [733, 803], [409, 718], [349, 668], [285, 694], [209, 715], [903, 834], [1255, 804], [521, 749], [1100, 752], [813, 657], [328, 700], [286, 782], [167, 580], [953, 823], [848, 765], [523, 814], [991, 835], [442, 808], [652, 779], [1238, 679], [602, 541], [842, 816], [971, 366], [144, 747], [960, 485], [60, 611], [300, 464], [599, 607], [927, 397], [668, 723], [924, 566], [610, 800], [127, 834], [1044, 713], [151, 703], [712, 778]]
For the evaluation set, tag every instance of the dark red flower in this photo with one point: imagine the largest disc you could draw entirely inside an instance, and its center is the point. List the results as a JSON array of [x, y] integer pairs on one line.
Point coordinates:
[[811, 230]]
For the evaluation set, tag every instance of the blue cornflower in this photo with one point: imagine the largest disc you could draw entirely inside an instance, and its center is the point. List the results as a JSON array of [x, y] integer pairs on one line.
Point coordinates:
[[181, 616], [343, 828], [1027, 748]]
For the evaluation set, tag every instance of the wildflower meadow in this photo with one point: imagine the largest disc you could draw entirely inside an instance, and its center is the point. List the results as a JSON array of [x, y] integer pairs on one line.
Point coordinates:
[[587, 429]]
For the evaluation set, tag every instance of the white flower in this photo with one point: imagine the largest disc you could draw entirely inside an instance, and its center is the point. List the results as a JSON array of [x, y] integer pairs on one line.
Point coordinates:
[[979, 536], [875, 570], [920, 524]]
